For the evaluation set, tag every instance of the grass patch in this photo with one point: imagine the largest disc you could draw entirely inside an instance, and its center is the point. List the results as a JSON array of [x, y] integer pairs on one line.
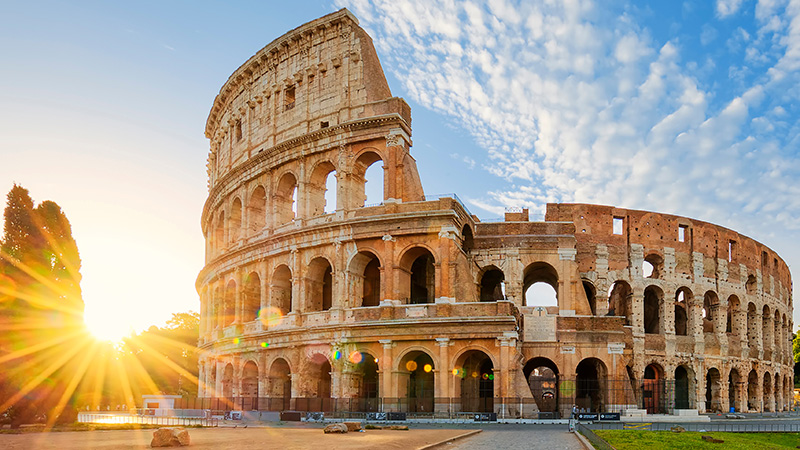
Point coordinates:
[[690, 440]]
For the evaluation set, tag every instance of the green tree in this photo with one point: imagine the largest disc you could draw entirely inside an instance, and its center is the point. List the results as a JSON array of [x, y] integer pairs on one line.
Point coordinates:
[[41, 310]]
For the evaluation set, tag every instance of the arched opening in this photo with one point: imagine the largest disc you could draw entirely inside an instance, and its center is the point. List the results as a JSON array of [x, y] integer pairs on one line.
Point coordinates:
[[417, 381], [653, 298], [733, 325], [767, 386], [683, 383], [321, 189], [734, 381], [540, 285], [751, 285], [710, 311], [257, 210], [591, 295], [681, 311], [753, 402], [543, 381], [492, 285], [653, 390], [619, 300], [320, 285], [476, 371], [366, 369], [365, 272], [590, 385], [280, 385], [713, 388], [368, 170], [282, 290], [467, 240], [286, 199], [252, 297], [227, 383], [250, 386], [235, 221], [653, 266], [422, 275], [229, 309]]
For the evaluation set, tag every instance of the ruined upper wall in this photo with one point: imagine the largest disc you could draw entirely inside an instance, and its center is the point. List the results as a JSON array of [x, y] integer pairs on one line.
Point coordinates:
[[319, 75], [594, 224]]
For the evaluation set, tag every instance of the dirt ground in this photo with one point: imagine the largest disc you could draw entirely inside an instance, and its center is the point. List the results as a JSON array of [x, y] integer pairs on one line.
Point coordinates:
[[233, 438]]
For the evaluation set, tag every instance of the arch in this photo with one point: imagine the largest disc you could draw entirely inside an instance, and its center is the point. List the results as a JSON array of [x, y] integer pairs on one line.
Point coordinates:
[[257, 210], [591, 295], [285, 199], [229, 305], [317, 189], [653, 299], [467, 239], [766, 331], [767, 388], [492, 286], [684, 384], [251, 297], [734, 381], [365, 268], [370, 178], [365, 371], [416, 381], [590, 384], [653, 389], [654, 264], [227, 382], [733, 326], [619, 300], [235, 221], [281, 287], [319, 287], [476, 372], [280, 385], [536, 279], [713, 389], [682, 298], [753, 401], [710, 311], [543, 380], [751, 284], [419, 272], [250, 386]]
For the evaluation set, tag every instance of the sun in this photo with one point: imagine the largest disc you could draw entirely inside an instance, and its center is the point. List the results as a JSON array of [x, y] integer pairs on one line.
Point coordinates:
[[105, 329]]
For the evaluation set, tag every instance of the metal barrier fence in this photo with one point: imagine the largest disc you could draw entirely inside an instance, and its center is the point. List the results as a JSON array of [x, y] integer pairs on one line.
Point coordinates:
[[125, 418]]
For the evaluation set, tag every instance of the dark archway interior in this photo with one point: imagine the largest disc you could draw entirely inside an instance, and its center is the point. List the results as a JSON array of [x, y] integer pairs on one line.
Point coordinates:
[[492, 285], [422, 279]]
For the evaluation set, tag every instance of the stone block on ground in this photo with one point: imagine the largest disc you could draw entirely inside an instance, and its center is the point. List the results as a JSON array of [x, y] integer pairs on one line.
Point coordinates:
[[170, 437], [335, 428], [353, 426], [398, 427], [712, 440], [677, 429]]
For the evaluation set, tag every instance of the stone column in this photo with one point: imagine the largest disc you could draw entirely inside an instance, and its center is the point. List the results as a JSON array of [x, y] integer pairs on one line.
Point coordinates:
[[443, 375], [388, 388]]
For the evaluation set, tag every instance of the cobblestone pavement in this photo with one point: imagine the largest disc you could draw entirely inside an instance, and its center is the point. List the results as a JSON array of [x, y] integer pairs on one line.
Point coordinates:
[[519, 437]]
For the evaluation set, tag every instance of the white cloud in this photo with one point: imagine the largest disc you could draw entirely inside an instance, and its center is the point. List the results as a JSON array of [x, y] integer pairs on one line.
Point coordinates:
[[727, 8]]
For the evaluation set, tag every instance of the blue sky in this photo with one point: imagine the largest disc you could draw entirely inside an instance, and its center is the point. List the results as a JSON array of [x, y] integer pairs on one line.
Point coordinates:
[[688, 108]]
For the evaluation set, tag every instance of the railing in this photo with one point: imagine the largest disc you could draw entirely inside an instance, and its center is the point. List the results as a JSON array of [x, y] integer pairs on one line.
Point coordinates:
[[145, 419]]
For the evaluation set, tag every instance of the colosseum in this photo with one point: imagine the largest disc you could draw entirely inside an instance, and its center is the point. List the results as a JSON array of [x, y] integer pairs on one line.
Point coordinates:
[[313, 300]]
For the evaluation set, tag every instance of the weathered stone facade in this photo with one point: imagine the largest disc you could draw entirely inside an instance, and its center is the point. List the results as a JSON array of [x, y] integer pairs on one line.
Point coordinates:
[[415, 305]]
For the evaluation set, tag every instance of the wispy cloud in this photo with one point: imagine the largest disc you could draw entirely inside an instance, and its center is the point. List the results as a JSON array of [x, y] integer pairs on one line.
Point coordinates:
[[575, 102]]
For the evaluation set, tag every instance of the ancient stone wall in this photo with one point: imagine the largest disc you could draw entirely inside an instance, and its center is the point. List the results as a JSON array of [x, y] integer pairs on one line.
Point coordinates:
[[414, 304]]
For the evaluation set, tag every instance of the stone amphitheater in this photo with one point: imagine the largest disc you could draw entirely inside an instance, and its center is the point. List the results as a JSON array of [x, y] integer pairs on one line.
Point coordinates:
[[313, 300]]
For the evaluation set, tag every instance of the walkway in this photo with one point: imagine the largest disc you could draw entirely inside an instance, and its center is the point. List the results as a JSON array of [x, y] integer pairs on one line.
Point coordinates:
[[520, 437]]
